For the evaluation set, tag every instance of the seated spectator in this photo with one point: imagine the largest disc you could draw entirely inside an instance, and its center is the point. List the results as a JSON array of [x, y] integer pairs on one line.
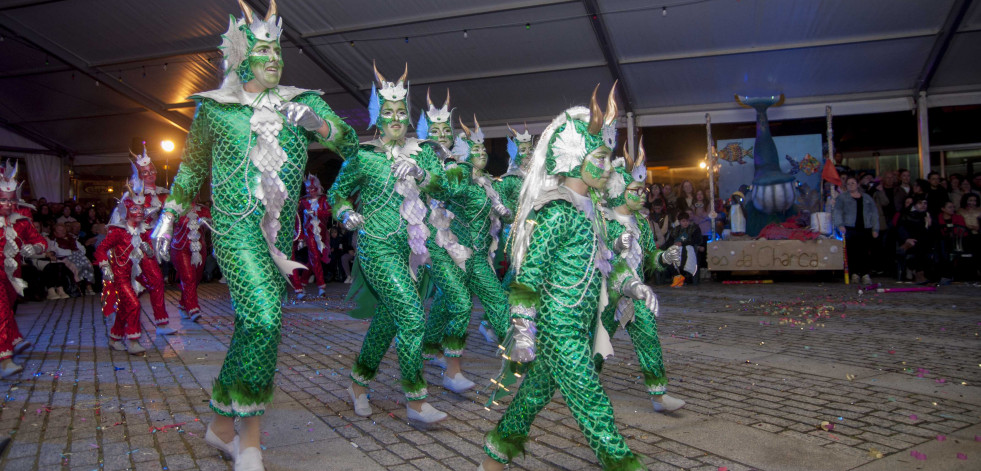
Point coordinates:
[[70, 251], [660, 221], [915, 243], [951, 237], [971, 211], [687, 236], [66, 215]]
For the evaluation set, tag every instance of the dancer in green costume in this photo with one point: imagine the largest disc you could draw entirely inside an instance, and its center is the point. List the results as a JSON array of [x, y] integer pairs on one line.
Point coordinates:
[[633, 239], [477, 210], [390, 173], [561, 262], [250, 137], [508, 186]]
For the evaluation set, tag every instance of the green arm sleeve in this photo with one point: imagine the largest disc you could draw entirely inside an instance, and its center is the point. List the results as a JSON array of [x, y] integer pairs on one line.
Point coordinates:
[[434, 184], [195, 165], [348, 181], [546, 238]]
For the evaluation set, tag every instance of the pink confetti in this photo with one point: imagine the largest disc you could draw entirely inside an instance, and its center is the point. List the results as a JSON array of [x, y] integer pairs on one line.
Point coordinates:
[[977, 438], [918, 455], [961, 456], [913, 417], [892, 352], [941, 380], [723, 468], [941, 438]]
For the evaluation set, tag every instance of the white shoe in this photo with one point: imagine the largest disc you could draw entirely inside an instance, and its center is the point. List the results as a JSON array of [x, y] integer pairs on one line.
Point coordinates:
[[228, 450], [52, 294], [223, 281], [195, 316], [11, 370], [458, 384], [166, 330], [439, 361], [134, 347], [61, 293], [182, 312], [89, 291], [348, 280], [20, 347], [321, 290], [361, 405], [866, 280], [300, 296], [249, 459], [117, 345], [429, 414], [489, 334], [667, 403]]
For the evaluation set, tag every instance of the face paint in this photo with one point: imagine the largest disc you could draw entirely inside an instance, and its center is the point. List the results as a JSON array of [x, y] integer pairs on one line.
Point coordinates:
[[313, 191], [478, 156], [149, 176], [134, 216], [634, 196], [266, 62], [7, 202], [393, 121], [596, 168], [524, 148], [441, 133]]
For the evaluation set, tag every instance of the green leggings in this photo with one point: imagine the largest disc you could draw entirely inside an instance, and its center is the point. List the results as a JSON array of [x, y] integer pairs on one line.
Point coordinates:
[[643, 334]]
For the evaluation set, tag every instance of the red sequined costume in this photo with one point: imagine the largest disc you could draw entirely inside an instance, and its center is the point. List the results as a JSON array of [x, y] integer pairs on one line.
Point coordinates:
[[19, 239], [120, 255], [314, 213], [188, 249]]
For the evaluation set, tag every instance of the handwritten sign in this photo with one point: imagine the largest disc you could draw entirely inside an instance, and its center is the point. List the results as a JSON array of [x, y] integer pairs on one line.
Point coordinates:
[[766, 255]]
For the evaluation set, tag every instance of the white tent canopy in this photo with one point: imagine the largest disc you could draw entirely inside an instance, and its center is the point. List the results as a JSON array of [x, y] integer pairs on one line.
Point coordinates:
[[85, 77]]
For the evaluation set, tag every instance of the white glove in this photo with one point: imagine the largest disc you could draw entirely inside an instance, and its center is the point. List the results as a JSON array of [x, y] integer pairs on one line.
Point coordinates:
[[623, 242], [301, 115], [634, 289], [351, 219], [523, 333], [161, 236], [502, 210], [671, 256], [407, 168], [106, 272], [28, 251]]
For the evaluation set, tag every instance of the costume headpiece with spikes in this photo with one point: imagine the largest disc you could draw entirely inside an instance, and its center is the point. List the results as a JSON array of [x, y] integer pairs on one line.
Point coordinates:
[[383, 91], [578, 136], [241, 37], [433, 115], [514, 139], [313, 182], [9, 186], [141, 163], [134, 197], [467, 139], [626, 170]]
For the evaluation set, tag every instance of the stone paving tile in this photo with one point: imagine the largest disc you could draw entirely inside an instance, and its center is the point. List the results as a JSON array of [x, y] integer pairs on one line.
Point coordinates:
[[79, 405]]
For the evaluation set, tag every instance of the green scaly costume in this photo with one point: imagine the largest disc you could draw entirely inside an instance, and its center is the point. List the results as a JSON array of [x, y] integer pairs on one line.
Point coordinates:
[[391, 242], [561, 263], [234, 153]]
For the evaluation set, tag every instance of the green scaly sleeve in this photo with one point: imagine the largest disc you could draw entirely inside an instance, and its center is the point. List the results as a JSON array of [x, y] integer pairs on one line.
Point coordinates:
[[546, 238], [347, 183], [195, 167]]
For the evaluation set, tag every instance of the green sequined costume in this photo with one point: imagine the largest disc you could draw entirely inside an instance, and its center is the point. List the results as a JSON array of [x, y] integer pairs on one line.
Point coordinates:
[[386, 255], [561, 262], [475, 226], [643, 327], [218, 147]]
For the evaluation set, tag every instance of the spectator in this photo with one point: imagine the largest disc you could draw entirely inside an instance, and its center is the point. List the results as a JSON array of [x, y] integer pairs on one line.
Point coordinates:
[[914, 239], [686, 198], [70, 251], [904, 189], [952, 234], [43, 213], [936, 194], [66, 215], [660, 221], [954, 192], [857, 217], [700, 213], [687, 236]]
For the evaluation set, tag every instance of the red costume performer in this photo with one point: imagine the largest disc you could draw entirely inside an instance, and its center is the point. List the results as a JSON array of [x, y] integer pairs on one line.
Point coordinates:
[[152, 277], [120, 256], [188, 251], [314, 212], [20, 239]]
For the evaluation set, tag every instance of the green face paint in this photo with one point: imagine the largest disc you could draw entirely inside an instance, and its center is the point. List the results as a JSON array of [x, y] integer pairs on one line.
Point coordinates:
[[634, 196], [265, 61], [596, 168], [478, 156], [441, 133], [393, 121]]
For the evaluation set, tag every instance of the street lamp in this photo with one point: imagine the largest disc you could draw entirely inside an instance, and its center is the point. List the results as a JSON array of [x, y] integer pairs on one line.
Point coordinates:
[[167, 145]]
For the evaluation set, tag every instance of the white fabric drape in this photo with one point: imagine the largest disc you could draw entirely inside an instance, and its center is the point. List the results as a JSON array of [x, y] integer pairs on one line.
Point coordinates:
[[45, 173]]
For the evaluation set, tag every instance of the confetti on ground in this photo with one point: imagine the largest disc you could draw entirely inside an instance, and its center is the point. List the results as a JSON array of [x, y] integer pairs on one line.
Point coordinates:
[[875, 453], [941, 438], [961, 456], [918, 455]]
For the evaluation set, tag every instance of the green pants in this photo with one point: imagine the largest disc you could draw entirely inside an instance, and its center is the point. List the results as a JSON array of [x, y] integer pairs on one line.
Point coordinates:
[[643, 333]]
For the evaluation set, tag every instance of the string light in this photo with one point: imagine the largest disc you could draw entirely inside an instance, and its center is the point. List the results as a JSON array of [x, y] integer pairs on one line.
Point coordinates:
[[165, 66], [407, 40], [664, 11], [465, 34], [352, 43], [527, 25], [301, 51]]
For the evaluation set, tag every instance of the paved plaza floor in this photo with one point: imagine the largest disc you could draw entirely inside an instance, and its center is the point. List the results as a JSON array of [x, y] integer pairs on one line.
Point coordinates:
[[788, 376]]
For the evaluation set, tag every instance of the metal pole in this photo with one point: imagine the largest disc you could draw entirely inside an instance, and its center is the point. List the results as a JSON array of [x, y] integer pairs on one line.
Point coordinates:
[[923, 131], [631, 126], [710, 162], [831, 151]]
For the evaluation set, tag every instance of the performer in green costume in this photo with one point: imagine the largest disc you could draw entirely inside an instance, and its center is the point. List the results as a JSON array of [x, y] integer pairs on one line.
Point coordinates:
[[391, 173], [250, 137], [508, 186], [477, 210], [633, 239], [561, 262]]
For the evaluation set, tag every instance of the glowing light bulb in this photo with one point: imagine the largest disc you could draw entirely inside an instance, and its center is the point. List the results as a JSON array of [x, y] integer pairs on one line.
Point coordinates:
[[167, 145]]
